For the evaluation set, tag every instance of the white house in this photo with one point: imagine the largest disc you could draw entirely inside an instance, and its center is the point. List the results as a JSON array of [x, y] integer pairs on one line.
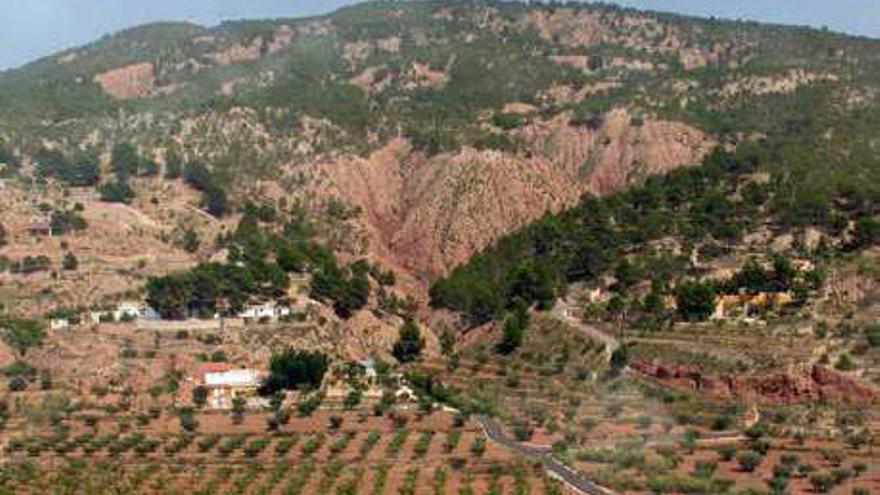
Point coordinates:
[[223, 386], [265, 310], [135, 309], [126, 310], [59, 324]]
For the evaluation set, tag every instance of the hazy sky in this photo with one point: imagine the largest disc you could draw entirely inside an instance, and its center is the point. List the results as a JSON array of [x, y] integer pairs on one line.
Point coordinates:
[[30, 29]]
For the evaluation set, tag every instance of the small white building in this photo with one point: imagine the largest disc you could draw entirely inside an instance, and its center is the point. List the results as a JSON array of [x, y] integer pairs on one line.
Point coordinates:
[[406, 394], [369, 366], [59, 323], [126, 310], [224, 386], [135, 309], [271, 310]]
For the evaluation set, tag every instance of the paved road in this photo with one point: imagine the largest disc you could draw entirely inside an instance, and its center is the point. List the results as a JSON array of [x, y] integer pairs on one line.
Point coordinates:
[[572, 478], [564, 310]]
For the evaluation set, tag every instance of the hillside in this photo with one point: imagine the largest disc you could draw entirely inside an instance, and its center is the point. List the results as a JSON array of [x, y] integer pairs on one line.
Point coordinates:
[[482, 87], [476, 247]]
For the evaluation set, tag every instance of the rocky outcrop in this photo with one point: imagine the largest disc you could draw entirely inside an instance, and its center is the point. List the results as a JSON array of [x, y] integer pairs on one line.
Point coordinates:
[[796, 384], [131, 81], [241, 52], [428, 214]]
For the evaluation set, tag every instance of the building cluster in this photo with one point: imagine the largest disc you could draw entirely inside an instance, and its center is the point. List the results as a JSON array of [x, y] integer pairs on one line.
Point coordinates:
[[224, 384], [138, 310]]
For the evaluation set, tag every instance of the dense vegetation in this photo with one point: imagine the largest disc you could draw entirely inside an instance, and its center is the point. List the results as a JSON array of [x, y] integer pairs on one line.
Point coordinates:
[[707, 209], [293, 370]]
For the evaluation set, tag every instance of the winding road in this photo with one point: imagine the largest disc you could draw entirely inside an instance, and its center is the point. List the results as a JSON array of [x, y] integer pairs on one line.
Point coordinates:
[[573, 478]]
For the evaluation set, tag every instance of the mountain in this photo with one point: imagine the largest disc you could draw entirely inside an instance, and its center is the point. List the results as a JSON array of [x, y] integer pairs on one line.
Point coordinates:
[[480, 246], [462, 121]]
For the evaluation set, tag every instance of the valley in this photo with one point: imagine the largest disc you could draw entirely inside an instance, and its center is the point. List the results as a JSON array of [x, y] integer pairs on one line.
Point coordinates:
[[443, 247]]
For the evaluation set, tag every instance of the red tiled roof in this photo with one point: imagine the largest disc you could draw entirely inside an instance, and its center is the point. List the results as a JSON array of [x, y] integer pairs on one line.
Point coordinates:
[[211, 368]]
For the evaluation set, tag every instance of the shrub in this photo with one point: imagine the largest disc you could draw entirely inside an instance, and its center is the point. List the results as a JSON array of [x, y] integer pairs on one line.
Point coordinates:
[[822, 481], [835, 457], [845, 362], [705, 469], [352, 399], [255, 446], [421, 446], [478, 446], [283, 446], [840, 475], [17, 384], [409, 342], [207, 442], [200, 395], [335, 422], [859, 468], [308, 404], [369, 442], [397, 442], [116, 192], [507, 121], [749, 460], [312, 444], [69, 262], [188, 420]]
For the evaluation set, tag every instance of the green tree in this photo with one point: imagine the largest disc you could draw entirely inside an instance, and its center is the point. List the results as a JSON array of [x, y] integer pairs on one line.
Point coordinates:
[[654, 303], [513, 329], [173, 164], [124, 161], [352, 399], [190, 241], [619, 358], [409, 342], [866, 234], [200, 396], [215, 202], [749, 460], [83, 173], [447, 342], [169, 296], [116, 192], [783, 272], [695, 301], [845, 362], [69, 262], [822, 481], [21, 334], [293, 370], [627, 274], [238, 409], [148, 168]]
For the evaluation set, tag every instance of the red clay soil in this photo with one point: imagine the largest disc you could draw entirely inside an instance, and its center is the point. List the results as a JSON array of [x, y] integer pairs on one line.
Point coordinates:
[[793, 385]]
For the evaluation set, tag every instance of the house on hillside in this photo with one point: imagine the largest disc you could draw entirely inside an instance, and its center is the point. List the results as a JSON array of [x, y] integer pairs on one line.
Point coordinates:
[[749, 305], [126, 310], [268, 310], [59, 323], [135, 309], [224, 386]]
